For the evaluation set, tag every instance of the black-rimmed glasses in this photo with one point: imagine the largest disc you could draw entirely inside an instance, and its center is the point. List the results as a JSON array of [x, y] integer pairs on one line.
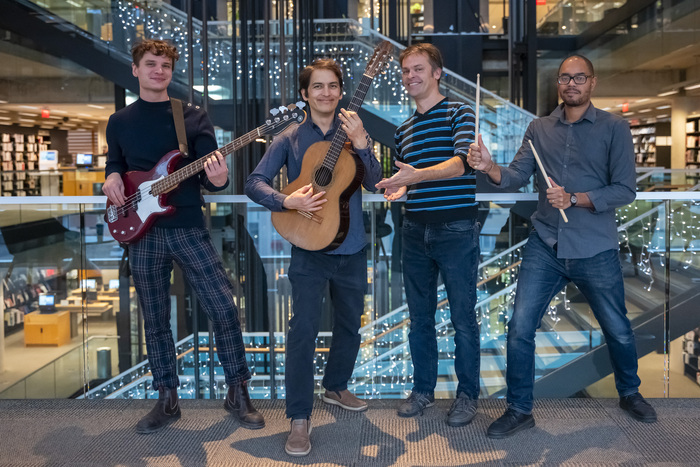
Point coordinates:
[[578, 79]]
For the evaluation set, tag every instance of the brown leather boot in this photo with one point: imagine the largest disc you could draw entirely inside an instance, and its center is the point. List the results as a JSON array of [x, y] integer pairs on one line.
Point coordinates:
[[238, 403], [166, 411]]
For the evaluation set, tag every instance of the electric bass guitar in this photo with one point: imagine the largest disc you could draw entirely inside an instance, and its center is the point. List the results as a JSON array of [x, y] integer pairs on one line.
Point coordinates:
[[332, 168], [146, 192]]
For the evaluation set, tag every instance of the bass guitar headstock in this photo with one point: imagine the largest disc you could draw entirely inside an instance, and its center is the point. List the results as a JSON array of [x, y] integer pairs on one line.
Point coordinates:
[[283, 117]]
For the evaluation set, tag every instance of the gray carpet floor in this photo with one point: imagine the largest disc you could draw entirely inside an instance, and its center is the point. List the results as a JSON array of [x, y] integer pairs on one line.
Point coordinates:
[[576, 432]]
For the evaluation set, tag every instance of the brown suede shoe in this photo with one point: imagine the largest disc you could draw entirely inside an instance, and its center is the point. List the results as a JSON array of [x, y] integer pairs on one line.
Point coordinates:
[[345, 399], [298, 442]]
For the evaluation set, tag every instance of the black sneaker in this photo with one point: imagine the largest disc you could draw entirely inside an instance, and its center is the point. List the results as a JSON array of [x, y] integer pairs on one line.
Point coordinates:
[[638, 408], [510, 423], [463, 411], [415, 404]]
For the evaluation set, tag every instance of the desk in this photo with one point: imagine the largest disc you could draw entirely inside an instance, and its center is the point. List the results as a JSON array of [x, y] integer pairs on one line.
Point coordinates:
[[93, 309], [47, 329]]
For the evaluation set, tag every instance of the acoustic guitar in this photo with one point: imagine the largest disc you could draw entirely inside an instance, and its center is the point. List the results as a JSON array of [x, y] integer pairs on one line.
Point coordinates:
[[146, 192], [329, 166]]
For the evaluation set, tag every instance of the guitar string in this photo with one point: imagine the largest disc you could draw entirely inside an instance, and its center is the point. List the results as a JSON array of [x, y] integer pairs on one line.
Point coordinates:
[[132, 200], [341, 136]]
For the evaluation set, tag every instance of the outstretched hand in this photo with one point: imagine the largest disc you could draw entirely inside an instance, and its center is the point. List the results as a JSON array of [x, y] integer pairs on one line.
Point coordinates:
[[407, 175], [392, 194]]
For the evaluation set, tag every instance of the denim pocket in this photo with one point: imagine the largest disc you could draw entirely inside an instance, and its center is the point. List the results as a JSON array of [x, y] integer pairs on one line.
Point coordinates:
[[466, 225]]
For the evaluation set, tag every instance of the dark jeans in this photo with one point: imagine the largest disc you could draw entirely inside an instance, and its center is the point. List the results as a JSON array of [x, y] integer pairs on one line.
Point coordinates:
[[542, 276], [151, 260], [310, 273], [452, 250]]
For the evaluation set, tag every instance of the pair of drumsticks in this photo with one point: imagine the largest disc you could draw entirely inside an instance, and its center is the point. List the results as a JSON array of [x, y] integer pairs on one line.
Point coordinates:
[[534, 151]]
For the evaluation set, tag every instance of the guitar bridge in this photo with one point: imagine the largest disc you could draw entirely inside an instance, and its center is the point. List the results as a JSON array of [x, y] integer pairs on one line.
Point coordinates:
[[112, 215], [311, 216]]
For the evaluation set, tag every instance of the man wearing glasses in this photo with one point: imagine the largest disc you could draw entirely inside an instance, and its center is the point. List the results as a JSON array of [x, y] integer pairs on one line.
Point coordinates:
[[589, 157]]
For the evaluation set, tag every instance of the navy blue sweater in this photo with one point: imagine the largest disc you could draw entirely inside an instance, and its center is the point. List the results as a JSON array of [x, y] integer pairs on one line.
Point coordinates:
[[142, 133], [425, 140]]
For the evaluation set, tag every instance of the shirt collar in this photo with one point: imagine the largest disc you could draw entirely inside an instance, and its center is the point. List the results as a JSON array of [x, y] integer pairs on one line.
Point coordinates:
[[317, 129], [589, 115]]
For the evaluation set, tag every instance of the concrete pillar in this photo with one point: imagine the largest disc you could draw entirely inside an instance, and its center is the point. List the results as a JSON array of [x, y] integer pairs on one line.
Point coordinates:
[[681, 108]]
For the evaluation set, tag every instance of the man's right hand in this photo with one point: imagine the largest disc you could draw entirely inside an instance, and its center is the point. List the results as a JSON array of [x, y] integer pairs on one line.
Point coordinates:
[[479, 157], [392, 194], [304, 199], [114, 189]]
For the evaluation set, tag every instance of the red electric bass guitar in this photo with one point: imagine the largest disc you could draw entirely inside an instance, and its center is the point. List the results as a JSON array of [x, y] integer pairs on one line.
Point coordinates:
[[146, 191]]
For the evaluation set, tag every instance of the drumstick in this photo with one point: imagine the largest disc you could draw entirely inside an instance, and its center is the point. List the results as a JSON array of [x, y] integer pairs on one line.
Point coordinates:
[[478, 93], [544, 174]]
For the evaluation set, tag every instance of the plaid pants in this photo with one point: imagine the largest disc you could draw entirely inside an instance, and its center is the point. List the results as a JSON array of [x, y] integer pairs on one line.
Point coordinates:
[[151, 261]]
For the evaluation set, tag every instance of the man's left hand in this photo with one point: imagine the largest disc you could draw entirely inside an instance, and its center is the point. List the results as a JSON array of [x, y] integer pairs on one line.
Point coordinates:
[[557, 197], [353, 127], [216, 169], [407, 175]]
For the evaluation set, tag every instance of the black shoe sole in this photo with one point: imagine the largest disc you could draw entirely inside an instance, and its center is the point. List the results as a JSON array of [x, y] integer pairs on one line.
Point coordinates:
[[244, 424], [640, 418], [409, 415], [148, 431], [506, 434], [458, 424]]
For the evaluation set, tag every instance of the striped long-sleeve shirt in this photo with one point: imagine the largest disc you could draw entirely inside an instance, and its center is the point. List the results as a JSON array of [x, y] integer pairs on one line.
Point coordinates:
[[428, 139]]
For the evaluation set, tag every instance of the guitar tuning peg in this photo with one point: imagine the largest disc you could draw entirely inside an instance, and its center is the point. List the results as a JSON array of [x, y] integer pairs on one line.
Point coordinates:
[[283, 109], [274, 112], [301, 104]]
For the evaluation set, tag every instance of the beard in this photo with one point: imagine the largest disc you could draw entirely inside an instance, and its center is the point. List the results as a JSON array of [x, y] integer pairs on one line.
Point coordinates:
[[574, 99]]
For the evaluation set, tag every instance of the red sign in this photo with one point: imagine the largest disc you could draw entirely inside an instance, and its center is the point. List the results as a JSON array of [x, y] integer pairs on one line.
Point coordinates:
[[541, 2], [45, 113], [625, 107]]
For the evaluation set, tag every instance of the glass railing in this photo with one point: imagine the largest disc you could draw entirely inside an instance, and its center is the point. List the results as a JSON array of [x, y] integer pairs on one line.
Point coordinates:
[[571, 17], [66, 376], [661, 276]]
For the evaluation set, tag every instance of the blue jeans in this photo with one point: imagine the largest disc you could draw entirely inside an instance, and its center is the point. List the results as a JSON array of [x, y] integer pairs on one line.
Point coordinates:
[[310, 273], [452, 250], [542, 276]]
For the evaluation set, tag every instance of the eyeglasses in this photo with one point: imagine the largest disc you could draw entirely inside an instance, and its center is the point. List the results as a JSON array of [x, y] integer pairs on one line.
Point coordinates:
[[578, 79]]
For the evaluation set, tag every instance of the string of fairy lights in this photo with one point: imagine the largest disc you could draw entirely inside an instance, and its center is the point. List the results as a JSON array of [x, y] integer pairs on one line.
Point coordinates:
[[383, 366]]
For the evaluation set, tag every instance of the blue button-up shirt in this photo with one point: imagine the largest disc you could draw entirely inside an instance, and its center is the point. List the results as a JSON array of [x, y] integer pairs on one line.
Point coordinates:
[[289, 149], [594, 155]]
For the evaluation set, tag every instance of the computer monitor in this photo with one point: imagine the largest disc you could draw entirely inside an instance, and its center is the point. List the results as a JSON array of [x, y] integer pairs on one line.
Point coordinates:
[[48, 160], [114, 284], [89, 284], [83, 160], [47, 303]]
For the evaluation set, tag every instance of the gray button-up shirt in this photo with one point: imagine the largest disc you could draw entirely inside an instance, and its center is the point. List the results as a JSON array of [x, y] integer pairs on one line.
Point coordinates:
[[594, 155]]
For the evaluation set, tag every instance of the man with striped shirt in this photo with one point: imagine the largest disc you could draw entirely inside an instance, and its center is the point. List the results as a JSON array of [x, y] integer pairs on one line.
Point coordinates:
[[440, 231]]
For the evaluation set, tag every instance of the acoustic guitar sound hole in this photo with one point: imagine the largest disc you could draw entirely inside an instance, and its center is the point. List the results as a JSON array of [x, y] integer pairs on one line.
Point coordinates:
[[323, 176]]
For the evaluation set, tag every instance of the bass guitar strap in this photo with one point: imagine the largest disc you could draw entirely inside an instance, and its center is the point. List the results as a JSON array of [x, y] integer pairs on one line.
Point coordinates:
[[179, 118]]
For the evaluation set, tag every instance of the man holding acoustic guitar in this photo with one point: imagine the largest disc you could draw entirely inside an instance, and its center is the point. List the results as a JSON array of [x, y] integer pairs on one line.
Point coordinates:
[[440, 231], [138, 136], [340, 266]]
